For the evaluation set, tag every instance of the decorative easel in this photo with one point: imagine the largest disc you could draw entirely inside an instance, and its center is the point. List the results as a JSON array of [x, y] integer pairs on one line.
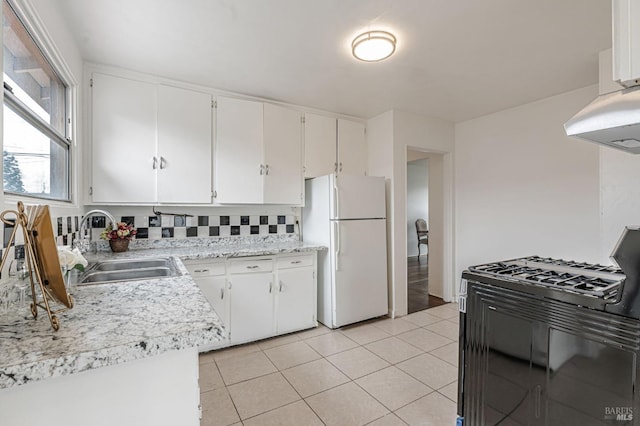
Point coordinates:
[[41, 257]]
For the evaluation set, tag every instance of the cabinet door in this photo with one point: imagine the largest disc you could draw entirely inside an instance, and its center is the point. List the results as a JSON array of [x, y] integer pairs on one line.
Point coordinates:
[[352, 148], [123, 140], [296, 299], [252, 307], [238, 151], [319, 145], [283, 179], [184, 146], [215, 290]]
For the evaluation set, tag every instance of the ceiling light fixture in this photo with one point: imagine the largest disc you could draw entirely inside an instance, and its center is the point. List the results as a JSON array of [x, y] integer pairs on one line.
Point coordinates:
[[373, 46]]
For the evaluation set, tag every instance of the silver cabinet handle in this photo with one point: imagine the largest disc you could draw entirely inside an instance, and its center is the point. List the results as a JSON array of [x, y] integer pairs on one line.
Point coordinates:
[[341, 166], [295, 262], [266, 169], [253, 267], [335, 167], [270, 287], [163, 163], [261, 169], [222, 294], [281, 286], [155, 163]]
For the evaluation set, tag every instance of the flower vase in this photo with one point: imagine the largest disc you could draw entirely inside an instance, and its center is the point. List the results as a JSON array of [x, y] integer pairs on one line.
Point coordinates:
[[71, 278], [119, 245]]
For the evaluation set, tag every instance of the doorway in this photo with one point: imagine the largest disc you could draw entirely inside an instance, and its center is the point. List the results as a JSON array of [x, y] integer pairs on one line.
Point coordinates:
[[424, 201]]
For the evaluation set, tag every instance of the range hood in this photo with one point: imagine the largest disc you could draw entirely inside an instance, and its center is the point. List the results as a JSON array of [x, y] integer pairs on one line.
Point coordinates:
[[613, 119]]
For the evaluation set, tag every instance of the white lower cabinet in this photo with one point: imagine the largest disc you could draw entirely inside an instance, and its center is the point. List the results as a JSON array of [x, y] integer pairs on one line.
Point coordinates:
[[211, 277], [296, 296], [252, 304], [259, 297]]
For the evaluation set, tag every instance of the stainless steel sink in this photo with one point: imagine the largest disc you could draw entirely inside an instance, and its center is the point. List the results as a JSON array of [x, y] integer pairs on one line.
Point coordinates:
[[124, 264], [128, 270]]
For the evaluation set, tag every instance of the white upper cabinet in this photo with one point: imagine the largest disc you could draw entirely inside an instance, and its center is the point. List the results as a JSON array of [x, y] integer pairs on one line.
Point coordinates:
[[150, 143], [123, 140], [319, 145], [352, 148], [283, 179], [258, 153], [334, 146], [238, 151], [184, 146]]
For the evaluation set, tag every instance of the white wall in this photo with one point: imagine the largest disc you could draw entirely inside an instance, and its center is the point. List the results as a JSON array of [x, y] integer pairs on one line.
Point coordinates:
[[398, 131], [380, 153], [620, 195], [523, 187], [417, 202], [413, 131], [619, 177]]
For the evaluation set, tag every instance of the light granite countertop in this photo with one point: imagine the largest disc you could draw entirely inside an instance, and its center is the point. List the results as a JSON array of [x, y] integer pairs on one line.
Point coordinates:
[[113, 323], [206, 248]]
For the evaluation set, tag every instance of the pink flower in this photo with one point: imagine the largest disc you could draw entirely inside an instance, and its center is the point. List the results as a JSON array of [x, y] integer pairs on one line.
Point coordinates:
[[123, 231]]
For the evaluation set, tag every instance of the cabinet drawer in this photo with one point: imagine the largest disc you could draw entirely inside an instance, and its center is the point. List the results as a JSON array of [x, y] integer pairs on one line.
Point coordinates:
[[205, 269], [295, 261], [249, 266]]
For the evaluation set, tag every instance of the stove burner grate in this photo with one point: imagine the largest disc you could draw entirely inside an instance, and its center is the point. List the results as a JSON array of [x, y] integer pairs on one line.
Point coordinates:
[[577, 277]]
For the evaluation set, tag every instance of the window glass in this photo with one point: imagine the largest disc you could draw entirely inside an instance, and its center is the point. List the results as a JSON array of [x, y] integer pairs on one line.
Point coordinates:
[[35, 146]]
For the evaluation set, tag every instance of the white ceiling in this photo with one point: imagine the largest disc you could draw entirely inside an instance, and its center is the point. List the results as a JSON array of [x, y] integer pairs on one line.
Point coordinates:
[[456, 59]]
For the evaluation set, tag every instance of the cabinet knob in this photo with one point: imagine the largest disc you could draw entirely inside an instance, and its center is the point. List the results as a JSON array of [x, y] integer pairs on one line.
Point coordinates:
[[266, 169], [163, 163], [155, 163]]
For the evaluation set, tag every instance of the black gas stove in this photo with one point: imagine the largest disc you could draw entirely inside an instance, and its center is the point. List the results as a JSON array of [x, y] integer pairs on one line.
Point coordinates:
[[614, 289], [579, 278], [549, 341]]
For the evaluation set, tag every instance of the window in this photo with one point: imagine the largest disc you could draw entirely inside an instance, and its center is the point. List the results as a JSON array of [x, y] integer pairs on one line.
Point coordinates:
[[36, 147]]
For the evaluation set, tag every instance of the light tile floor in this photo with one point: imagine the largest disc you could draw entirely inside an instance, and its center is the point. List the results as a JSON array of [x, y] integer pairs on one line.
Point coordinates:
[[382, 372]]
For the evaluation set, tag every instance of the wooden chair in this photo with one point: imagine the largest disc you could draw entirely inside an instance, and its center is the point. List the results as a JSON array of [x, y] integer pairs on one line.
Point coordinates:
[[423, 234]]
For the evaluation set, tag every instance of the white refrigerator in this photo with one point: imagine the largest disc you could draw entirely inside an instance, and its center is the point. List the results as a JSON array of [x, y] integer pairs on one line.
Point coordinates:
[[348, 215]]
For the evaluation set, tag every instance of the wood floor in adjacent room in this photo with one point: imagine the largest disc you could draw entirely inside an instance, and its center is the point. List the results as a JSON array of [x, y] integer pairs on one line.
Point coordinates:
[[418, 285]]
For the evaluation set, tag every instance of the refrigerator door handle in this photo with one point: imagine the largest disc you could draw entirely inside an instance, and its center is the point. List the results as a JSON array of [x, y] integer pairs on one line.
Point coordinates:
[[336, 226], [336, 198]]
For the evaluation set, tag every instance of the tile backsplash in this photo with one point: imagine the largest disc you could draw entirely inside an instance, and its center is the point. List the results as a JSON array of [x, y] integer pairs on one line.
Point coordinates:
[[67, 228], [184, 226]]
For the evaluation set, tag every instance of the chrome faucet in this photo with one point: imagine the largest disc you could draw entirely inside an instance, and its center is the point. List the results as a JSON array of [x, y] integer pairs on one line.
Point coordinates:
[[82, 243]]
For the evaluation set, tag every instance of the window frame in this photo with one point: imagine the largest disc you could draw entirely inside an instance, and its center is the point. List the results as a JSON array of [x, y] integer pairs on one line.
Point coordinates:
[[37, 31]]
